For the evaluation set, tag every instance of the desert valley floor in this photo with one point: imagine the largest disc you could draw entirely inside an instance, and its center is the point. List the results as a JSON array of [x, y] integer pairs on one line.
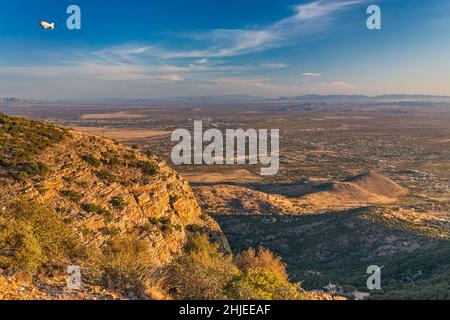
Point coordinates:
[[359, 184]]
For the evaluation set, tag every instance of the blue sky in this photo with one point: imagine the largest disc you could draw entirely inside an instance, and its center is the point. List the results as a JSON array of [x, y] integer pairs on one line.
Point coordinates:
[[160, 49]]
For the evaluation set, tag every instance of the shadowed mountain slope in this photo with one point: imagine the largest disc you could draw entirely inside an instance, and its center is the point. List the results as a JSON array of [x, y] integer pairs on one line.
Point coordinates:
[[359, 191]]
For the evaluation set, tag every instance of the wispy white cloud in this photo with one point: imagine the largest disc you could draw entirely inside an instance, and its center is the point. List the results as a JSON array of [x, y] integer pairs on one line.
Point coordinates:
[[123, 53], [221, 43], [91, 71], [308, 18], [320, 9], [202, 61], [273, 65], [200, 58], [311, 74]]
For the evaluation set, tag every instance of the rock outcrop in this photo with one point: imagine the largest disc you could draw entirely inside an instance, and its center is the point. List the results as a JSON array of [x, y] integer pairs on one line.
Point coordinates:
[[102, 189]]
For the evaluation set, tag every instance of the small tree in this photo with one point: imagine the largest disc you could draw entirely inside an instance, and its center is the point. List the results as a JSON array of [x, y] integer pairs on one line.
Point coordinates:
[[203, 272], [261, 259], [32, 235]]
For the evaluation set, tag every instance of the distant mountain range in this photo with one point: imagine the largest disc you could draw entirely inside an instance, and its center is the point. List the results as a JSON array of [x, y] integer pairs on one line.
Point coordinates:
[[238, 98], [362, 98]]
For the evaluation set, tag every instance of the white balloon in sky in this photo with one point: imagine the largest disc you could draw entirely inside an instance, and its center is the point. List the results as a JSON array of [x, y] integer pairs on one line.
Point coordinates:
[[47, 25]]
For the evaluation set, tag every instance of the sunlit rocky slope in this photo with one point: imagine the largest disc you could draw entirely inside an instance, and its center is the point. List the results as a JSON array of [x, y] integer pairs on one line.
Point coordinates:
[[129, 221]]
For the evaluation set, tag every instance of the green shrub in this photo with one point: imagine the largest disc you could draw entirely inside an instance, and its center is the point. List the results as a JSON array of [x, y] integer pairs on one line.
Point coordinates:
[[194, 228], [111, 231], [173, 199], [36, 169], [263, 284], [118, 203], [263, 277], [42, 190], [32, 235], [68, 179], [110, 158], [105, 176], [93, 161], [148, 168], [22, 176], [93, 208], [163, 223], [31, 169], [19, 248], [202, 273], [72, 195]]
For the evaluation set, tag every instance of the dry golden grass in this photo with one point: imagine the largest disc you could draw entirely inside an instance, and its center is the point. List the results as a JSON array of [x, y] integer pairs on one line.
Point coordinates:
[[120, 134], [113, 115], [239, 175]]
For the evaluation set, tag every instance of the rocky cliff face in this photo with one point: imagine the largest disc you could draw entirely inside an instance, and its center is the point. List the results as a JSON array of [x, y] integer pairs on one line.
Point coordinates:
[[102, 188]]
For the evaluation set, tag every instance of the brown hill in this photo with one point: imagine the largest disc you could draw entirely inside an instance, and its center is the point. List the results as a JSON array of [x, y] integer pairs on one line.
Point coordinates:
[[378, 184], [361, 190]]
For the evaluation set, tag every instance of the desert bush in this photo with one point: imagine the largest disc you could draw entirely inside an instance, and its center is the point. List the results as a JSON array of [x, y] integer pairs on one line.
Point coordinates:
[[147, 168], [19, 248], [261, 259], [164, 223], [110, 158], [72, 195], [114, 161], [68, 179], [93, 208], [263, 277], [111, 231], [57, 239], [22, 176], [202, 273], [32, 235], [91, 160], [128, 265], [34, 168], [263, 284], [194, 228], [118, 203], [105, 176]]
